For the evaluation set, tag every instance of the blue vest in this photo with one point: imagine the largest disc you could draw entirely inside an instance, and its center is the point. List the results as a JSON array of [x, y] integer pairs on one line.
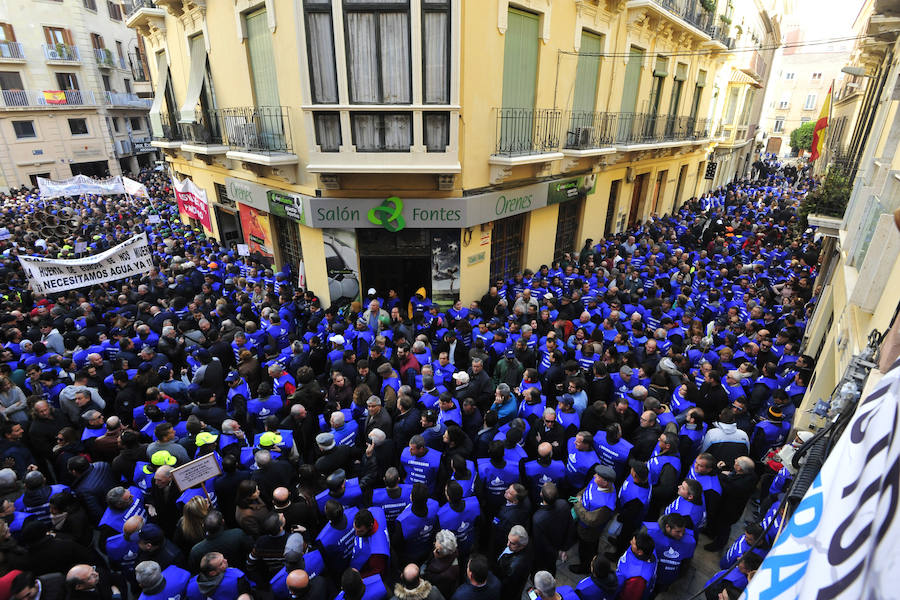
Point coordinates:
[[176, 582], [579, 464], [775, 433], [537, 474], [497, 479], [709, 482], [418, 531], [467, 485], [352, 495], [461, 523], [375, 589], [696, 512], [421, 469], [613, 455], [42, 510], [391, 507], [587, 589], [632, 491], [346, 435], [377, 543], [739, 548], [116, 518], [312, 564], [122, 553], [594, 498], [631, 566], [227, 590], [738, 579], [287, 440], [656, 464], [671, 553], [567, 593], [337, 544], [89, 433]]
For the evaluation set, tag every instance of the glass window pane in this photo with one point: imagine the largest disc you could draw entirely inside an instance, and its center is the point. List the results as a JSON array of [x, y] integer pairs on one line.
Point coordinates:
[[365, 132], [395, 67], [436, 67], [362, 60], [328, 131], [397, 132], [323, 74], [437, 131]]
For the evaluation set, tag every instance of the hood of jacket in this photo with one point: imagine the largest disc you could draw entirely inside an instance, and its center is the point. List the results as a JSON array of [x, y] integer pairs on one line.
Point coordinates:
[[420, 592], [208, 584], [727, 428]]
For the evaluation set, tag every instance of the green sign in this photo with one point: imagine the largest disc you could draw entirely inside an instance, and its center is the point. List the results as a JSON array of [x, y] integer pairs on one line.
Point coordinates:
[[576, 188], [388, 214], [286, 205], [475, 258]]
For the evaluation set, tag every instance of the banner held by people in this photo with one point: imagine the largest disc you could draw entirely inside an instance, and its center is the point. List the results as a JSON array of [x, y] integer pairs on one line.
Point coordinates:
[[192, 201], [78, 185], [131, 257]]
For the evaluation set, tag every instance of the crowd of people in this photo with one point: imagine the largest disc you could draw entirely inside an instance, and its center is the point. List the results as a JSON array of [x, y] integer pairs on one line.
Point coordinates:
[[597, 415]]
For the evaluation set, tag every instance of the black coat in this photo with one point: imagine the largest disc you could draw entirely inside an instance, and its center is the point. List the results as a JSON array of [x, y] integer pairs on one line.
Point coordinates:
[[736, 491], [512, 571], [407, 425], [551, 532]]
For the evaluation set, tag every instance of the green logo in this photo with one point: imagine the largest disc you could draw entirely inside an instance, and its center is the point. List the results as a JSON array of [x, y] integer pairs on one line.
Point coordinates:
[[388, 214]]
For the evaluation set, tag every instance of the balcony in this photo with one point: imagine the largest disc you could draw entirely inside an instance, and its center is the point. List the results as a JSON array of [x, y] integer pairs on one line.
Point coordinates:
[[12, 52], [46, 99], [526, 131], [720, 38], [258, 134], [687, 14], [635, 131], [164, 131], [61, 54], [204, 134], [589, 134], [104, 58], [144, 15], [116, 99]]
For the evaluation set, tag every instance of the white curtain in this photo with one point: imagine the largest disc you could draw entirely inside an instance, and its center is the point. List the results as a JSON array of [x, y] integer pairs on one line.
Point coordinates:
[[397, 132], [437, 131], [323, 75], [395, 68], [361, 31], [365, 133], [436, 61], [328, 132]]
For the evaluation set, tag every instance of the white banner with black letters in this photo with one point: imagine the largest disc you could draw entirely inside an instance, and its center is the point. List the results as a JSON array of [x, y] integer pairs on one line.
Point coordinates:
[[47, 275], [843, 541]]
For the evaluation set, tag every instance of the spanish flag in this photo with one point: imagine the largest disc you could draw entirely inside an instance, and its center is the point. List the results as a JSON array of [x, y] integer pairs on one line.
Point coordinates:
[[54, 97], [818, 141]]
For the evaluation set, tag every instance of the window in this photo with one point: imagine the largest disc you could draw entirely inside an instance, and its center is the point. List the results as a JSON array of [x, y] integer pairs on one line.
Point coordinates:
[[805, 120], [24, 129], [115, 11], [779, 125], [381, 132], [810, 103], [57, 35], [115, 124], [67, 81], [320, 48], [506, 247], [731, 106], [78, 127], [262, 59], [97, 41], [436, 51], [784, 102], [136, 123], [106, 84], [90, 4], [120, 53], [328, 131], [695, 102], [378, 52], [10, 80], [789, 75], [816, 76], [567, 228], [660, 71], [6, 33], [586, 76], [288, 236]]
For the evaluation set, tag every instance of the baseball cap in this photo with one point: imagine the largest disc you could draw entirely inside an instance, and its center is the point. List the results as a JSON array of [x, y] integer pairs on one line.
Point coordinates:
[[152, 533], [510, 353], [337, 339], [163, 457], [269, 438], [461, 377], [232, 377], [205, 438]]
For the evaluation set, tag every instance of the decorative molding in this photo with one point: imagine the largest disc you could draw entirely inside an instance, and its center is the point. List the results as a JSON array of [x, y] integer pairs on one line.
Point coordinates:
[[499, 173], [244, 6], [538, 6]]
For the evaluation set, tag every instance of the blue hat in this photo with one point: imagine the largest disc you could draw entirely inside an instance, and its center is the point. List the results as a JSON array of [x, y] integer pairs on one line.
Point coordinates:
[[152, 533], [201, 354], [567, 399], [510, 353], [232, 377]]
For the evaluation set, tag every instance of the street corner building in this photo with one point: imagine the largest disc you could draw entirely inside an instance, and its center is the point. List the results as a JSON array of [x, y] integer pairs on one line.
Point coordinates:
[[445, 144]]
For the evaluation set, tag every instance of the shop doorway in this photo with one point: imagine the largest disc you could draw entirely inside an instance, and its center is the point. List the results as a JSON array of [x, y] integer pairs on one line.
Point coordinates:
[[229, 227], [638, 195], [400, 261], [567, 229], [96, 168], [611, 206]]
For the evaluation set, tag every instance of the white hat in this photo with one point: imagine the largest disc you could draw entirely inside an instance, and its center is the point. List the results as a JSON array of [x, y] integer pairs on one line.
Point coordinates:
[[461, 377], [337, 339], [371, 292]]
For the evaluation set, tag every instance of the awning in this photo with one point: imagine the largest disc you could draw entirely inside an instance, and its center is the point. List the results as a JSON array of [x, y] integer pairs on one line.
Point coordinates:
[[159, 94], [187, 113], [742, 78]]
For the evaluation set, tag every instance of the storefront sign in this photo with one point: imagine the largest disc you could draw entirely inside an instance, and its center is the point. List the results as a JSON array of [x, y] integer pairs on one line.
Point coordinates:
[[245, 192], [289, 206], [576, 188]]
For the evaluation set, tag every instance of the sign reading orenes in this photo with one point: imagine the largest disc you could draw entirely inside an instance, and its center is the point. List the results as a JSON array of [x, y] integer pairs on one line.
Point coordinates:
[[196, 472]]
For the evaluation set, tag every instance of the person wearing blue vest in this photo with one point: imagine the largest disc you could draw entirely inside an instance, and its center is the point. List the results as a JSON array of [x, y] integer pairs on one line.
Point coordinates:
[[580, 459], [461, 515], [545, 588], [632, 504], [543, 470], [160, 584], [266, 404], [593, 509], [416, 526], [613, 450], [123, 503], [296, 557], [337, 536], [36, 499], [123, 549], [689, 503], [218, 581], [338, 487], [769, 433], [393, 497], [665, 472], [355, 586], [741, 546], [733, 581], [344, 431], [464, 472], [636, 569], [600, 584], [495, 474], [371, 548], [704, 471], [419, 463], [675, 545]]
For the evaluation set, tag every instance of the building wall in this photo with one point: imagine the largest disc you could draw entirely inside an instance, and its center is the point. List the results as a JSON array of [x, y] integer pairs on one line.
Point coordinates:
[[18, 158]]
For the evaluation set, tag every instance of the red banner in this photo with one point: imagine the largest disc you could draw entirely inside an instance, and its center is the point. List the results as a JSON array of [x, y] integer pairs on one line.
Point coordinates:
[[192, 202]]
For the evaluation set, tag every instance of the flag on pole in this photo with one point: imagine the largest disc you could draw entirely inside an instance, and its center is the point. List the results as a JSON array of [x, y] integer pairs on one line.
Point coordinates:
[[818, 141], [54, 96]]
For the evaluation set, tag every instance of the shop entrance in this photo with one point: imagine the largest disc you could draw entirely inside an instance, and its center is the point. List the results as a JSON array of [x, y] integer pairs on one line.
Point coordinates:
[[97, 168], [229, 227], [638, 197], [400, 260]]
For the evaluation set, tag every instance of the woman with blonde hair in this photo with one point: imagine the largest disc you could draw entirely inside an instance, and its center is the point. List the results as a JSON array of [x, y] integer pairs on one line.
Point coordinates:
[[189, 529]]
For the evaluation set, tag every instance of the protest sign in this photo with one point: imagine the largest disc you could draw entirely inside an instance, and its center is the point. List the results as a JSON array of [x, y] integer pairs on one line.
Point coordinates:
[[198, 471], [192, 201]]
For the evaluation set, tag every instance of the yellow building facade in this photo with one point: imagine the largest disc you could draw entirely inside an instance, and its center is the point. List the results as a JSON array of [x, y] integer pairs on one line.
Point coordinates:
[[860, 270], [431, 143]]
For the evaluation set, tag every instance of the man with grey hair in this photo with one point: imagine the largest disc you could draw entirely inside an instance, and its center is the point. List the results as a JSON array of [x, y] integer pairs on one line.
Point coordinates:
[[154, 582], [481, 388], [93, 423], [738, 486], [377, 417], [546, 588], [122, 504], [504, 403], [514, 564]]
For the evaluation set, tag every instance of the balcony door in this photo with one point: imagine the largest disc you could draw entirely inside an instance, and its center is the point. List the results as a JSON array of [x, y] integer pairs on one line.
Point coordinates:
[[630, 89], [520, 60], [267, 116], [582, 126]]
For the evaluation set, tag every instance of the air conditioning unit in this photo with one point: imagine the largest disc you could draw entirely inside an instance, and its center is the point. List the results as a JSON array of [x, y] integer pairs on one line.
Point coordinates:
[[584, 135]]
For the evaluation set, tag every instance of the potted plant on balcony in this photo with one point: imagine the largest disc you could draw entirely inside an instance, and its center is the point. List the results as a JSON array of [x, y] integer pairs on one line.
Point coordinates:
[[828, 200], [708, 5], [726, 20], [62, 51]]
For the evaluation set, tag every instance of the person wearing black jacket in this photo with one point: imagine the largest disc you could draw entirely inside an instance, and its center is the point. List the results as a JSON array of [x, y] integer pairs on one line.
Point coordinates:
[[737, 488], [601, 386], [514, 566], [408, 421], [516, 511], [551, 529]]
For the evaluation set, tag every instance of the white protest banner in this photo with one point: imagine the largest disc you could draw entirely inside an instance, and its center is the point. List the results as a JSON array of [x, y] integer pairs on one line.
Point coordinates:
[[196, 472], [131, 257], [78, 185], [135, 188], [842, 540], [243, 250]]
